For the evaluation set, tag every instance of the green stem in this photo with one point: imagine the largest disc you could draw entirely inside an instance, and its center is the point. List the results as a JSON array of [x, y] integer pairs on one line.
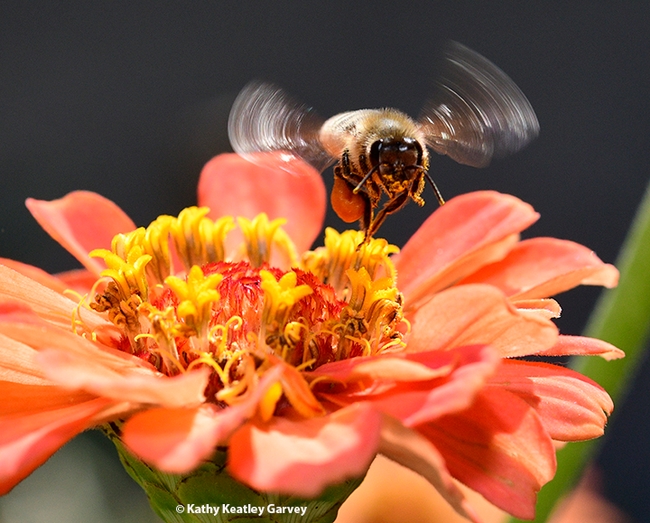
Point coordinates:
[[621, 317]]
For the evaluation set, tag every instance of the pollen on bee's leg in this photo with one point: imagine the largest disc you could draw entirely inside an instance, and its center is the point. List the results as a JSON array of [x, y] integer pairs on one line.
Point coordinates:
[[347, 204]]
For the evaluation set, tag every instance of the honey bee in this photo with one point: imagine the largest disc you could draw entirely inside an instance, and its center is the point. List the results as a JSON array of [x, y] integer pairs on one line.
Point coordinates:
[[475, 113]]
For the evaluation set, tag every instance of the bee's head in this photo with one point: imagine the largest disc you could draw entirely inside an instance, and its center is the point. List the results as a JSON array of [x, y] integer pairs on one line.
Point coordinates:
[[393, 155]]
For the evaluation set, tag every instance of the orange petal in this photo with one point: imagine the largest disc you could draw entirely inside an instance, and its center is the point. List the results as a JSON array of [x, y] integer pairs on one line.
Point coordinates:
[[583, 346], [498, 447], [400, 367], [230, 185], [416, 403], [79, 280], [17, 363], [410, 449], [543, 267], [138, 386], [546, 307], [23, 399], [81, 221], [478, 315], [571, 406], [21, 324], [298, 393], [303, 457], [26, 442], [36, 274], [466, 233], [173, 440], [177, 440], [48, 304]]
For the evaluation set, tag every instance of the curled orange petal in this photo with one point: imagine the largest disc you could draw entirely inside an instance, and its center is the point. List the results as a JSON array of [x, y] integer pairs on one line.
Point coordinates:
[[251, 189], [543, 267], [81, 221], [571, 406], [583, 346]]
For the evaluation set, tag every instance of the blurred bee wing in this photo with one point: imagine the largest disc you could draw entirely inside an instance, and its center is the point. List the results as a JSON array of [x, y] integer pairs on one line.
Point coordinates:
[[476, 112], [264, 119]]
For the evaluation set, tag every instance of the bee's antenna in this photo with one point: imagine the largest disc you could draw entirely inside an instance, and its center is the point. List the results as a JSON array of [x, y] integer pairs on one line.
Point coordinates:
[[365, 179], [441, 200]]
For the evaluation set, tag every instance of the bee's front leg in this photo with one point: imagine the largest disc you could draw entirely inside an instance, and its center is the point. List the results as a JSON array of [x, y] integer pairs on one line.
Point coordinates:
[[367, 220], [391, 206]]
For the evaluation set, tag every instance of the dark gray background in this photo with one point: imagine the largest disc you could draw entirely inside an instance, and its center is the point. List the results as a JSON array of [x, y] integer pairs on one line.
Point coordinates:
[[131, 99]]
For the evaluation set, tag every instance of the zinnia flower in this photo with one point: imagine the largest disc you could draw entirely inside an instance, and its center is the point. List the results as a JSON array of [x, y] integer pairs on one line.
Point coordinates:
[[192, 334]]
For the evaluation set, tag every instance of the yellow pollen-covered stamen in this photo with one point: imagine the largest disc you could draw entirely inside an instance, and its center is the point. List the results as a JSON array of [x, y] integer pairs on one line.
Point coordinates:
[[207, 359], [371, 316], [75, 320], [165, 328], [396, 345], [156, 243], [203, 357], [122, 244], [330, 262], [74, 295], [186, 232], [262, 235], [129, 275], [197, 294], [291, 335], [407, 323], [374, 254], [279, 298], [348, 250], [215, 237], [364, 291], [198, 239]]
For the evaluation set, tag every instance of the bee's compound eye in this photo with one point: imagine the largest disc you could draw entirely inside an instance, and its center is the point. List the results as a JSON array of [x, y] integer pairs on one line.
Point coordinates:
[[375, 149], [348, 205]]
